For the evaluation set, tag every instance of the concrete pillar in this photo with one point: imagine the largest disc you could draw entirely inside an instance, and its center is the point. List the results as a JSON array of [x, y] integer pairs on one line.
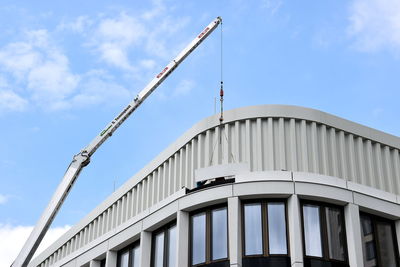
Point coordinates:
[[94, 263], [145, 249], [353, 233], [234, 230], [111, 258], [182, 252], [295, 237]]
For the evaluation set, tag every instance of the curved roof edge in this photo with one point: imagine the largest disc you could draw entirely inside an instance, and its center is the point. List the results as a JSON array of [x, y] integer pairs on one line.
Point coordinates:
[[249, 112]]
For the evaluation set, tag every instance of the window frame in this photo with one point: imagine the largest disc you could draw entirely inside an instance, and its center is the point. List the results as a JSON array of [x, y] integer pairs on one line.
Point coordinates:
[[264, 227], [128, 248], [163, 229], [324, 232], [208, 241], [374, 220]]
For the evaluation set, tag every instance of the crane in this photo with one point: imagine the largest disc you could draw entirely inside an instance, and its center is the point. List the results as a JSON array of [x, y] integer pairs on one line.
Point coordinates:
[[82, 159]]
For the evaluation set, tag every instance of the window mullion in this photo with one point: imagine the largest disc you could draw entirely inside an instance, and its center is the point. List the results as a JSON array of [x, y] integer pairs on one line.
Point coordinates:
[[324, 233], [264, 214]]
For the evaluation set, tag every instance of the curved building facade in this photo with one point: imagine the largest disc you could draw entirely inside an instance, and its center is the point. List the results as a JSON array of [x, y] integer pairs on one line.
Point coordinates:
[[272, 186]]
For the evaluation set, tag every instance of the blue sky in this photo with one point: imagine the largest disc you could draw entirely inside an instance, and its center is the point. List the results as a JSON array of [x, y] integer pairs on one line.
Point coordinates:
[[67, 68]]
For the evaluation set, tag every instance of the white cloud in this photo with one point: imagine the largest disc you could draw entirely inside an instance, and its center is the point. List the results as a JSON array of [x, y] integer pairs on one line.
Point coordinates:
[[78, 25], [272, 5], [13, 238], [10, 101], [375, 24], [3, 199], [184, 87], [41, 68]]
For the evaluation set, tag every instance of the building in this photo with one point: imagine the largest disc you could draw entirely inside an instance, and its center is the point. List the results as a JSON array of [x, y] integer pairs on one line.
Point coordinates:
[[273, 186]]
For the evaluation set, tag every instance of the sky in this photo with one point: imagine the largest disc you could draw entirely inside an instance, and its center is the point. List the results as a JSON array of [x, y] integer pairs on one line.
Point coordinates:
[[67, 68]]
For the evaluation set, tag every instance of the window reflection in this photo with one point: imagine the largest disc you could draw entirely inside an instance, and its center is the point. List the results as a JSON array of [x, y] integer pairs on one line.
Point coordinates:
[[124, 260], [198, 238], [277, 228], [159, 250], [172, 246], [136, 256], [253, 229], [335, 233], [312, 230], [219, 234]]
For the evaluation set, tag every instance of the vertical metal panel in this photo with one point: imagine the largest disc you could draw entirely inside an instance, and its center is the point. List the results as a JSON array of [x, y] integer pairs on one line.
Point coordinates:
[[342, 156], [368, 161], [128, 211], [281, 144], [182, 167], [293, 142], [270, 145], [188, 164], [351, 157], [194, 160], [378, 173], [171, 176], [396, 168], [324, 169], [314, 148], [160, 183], [165, 179], [176, 174], [333, 152], [303, 146], [259, 146], [149, 194], [388, 170]]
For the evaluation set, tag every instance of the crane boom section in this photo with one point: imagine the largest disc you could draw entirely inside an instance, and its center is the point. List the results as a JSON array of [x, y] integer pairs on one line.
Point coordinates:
[[154, 83], [82, 159]]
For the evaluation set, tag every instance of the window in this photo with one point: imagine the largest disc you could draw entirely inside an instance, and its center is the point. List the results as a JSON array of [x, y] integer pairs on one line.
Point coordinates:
[[379, 247], [324, 234], [164, 247], [209, 236], [129, 256], [265, 233]]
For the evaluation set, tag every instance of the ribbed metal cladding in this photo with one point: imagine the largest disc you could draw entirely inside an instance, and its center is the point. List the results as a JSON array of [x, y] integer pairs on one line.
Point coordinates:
[[266, 144]]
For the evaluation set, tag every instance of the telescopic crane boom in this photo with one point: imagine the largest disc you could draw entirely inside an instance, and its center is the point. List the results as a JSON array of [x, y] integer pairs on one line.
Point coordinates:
[[82, 159]]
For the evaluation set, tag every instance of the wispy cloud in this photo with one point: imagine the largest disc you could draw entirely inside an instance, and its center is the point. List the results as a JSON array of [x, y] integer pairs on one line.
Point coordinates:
[[3, 199], [10, 101], [375, 25], [14, 237], [272, 6]]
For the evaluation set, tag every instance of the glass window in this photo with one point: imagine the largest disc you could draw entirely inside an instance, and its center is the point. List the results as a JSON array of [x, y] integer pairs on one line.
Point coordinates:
[[125, 259], [159, 250], [209, 236], [379, 247], [128, 257], [253, 229], [312, 230], [172, 246], [136, 256], [219, 234], [164, 247], [335, 233], [324, 234], [277, 228], [199, 238]]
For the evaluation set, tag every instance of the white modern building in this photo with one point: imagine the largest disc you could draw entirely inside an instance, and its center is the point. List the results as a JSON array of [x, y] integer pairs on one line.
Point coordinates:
[[272, 186]]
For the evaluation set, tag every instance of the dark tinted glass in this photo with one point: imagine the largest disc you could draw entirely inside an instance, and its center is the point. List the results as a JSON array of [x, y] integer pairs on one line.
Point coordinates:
[[385, 237], [336, 233]]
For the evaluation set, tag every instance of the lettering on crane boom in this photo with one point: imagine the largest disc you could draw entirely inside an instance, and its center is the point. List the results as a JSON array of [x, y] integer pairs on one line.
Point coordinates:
[[161, 73], [122, 113], [203, 32]]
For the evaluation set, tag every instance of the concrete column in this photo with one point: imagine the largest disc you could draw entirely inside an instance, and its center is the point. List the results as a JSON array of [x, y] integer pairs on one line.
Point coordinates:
[[398, 234], [94, 263], [353, 233], [111, 258], [295, 237], [182, 252], [145, 249], [234, 232]]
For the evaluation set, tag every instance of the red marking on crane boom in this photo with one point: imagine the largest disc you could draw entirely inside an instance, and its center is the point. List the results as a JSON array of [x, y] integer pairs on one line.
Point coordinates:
[[203, 32], [161, 73]]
